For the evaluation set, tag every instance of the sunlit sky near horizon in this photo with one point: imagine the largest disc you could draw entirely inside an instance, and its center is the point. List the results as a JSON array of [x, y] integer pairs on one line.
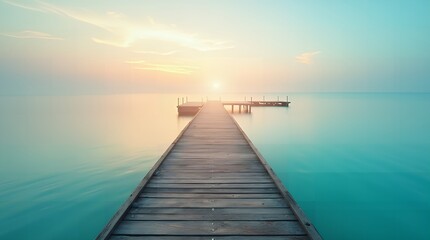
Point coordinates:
[[84, 47]]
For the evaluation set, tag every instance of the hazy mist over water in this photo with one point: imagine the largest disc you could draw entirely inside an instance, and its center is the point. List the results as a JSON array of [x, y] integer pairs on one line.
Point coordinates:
[[358, 164]]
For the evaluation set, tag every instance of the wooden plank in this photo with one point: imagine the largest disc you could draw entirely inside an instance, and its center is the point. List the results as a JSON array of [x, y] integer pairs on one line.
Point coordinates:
[[210, 195], [212, 185], [210, 228], [213, 158], [217, 180], [214, 164], [211, 167], [211, 171], [227, 163], [218, 141], [209, 175], [187, 237], [210, 147], [212, 190], [211, 211], [212, 155], [211, 217], [207, 203], [199, 144]]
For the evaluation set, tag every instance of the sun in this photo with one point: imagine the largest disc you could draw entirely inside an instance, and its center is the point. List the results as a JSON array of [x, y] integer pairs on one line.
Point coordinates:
[[216, 86]]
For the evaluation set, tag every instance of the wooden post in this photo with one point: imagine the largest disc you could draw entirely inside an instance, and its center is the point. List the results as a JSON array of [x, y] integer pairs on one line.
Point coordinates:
[[249, 110], [232, 108], [240, 108]]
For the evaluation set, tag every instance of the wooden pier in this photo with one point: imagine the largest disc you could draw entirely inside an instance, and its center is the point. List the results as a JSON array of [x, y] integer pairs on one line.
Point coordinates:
[[191, 108], [211, 183]]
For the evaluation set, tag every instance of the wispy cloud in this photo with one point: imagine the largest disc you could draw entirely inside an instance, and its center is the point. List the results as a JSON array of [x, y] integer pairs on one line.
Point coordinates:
[[126, 33], [24, 6], [307, 57], [169, 68], [159, 53], [31, 34]]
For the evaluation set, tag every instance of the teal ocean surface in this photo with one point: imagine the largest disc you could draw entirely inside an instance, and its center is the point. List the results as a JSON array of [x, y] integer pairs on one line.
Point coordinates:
[[358, 164]]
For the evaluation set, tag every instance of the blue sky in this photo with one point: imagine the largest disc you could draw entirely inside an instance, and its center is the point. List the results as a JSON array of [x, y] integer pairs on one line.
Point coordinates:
[[83, 47]]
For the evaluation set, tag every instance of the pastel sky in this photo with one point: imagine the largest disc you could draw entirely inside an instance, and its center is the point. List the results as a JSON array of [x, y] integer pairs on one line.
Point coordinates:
[[106, 46]]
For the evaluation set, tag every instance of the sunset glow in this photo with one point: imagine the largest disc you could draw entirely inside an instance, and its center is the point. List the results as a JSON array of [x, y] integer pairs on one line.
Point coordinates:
[[171, 46]]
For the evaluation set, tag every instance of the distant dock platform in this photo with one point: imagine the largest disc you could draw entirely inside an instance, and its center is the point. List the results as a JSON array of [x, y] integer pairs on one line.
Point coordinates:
[[211, 184], [192, 108]]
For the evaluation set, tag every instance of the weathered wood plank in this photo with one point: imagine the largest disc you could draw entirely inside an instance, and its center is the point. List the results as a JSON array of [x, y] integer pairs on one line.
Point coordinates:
[[207, 169], [211, 217], [212, 190], [122, 237], [211, 211], [214, 157], [185, 161], [210, 228], [212, 185], [210, 167], [208, 163], [199, 144], [207, 203], [217, 155], [214, 163], [233, 180], [209, 175], [210, 195]]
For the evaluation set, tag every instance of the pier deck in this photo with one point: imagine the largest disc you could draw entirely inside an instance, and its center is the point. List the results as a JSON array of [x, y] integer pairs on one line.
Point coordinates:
[[211, 183], [191, 108]]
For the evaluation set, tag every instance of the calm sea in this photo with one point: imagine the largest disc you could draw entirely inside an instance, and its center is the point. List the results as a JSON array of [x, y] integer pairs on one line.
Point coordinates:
[[358, 164]]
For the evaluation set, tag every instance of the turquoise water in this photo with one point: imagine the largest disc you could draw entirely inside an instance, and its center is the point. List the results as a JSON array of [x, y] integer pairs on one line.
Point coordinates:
[[68, 163], [358, 164]]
